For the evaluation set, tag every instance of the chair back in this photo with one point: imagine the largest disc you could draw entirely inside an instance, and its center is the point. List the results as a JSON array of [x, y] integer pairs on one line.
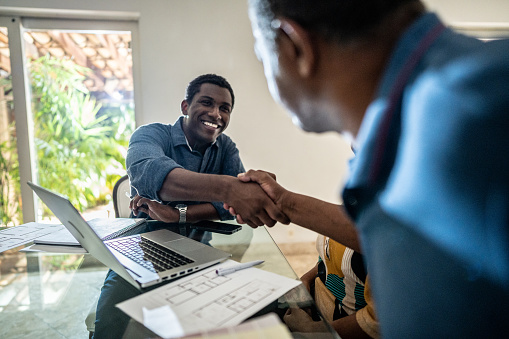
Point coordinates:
[[121, 193]]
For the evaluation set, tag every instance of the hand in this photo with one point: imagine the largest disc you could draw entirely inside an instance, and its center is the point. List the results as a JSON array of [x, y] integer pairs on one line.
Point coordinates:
[[267, 181], [308, 279], [154, 209], [299, 320], [247, 199]]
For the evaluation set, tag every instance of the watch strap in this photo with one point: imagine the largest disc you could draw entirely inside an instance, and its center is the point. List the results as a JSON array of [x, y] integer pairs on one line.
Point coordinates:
[[182, 213]]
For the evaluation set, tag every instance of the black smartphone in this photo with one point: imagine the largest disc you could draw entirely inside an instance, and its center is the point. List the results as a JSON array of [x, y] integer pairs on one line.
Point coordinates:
[[217, 227]]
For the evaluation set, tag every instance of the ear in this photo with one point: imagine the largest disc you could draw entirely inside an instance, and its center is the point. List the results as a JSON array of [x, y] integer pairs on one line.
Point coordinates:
[[184, 106], [298, 45]]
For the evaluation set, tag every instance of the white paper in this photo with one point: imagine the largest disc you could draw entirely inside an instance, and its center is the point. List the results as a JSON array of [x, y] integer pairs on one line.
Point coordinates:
[[54, 249], [103, 227], [204, 300], [157, 321], [23, 234], [267, 326]]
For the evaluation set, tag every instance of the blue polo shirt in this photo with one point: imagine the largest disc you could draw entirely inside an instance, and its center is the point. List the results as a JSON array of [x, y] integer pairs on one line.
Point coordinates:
[[429, 186], [156, 149]]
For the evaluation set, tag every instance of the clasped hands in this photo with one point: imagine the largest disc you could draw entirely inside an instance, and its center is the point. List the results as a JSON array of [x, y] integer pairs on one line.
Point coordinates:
[[254, 198], [255, 209]]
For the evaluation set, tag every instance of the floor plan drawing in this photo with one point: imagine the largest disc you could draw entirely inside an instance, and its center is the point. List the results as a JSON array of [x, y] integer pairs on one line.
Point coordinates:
[[206, 300]]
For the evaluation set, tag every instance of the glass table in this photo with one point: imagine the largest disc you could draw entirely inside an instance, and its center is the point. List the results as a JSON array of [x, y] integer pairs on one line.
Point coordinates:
[[49, 295]]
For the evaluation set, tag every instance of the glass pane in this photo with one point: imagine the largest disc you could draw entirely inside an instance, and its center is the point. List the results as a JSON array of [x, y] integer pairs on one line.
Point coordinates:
[[83, 109], [10, 196]]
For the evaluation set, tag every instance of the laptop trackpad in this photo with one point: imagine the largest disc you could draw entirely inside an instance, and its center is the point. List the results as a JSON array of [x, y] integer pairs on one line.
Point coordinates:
[[183, 245]]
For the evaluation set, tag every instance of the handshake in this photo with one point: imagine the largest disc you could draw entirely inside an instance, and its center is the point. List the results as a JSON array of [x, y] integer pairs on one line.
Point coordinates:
[[254, 198]]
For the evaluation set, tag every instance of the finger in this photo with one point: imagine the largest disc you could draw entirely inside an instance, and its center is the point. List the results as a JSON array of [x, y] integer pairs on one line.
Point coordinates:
[[142, 201], [132, 203], [252, 175], [254, 223], [144, 209], [268, 221], [239, 219], [243, 177], [275, 214], [232, 211], [272, 175]]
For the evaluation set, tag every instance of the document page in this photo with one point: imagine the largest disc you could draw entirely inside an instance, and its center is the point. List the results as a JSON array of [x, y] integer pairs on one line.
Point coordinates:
[[268, 326], [206, 300], [23, 234]]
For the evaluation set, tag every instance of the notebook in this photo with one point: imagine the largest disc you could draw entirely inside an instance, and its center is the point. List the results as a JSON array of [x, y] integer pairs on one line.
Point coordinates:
[[105, 228], [143, 260]]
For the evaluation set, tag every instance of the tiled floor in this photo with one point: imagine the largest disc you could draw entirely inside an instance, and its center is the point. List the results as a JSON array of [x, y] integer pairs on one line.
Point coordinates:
[[50, 300], [298, 246], [302, 256]]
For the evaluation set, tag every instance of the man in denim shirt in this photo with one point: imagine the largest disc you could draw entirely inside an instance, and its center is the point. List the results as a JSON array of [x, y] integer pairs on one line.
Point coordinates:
[[192, 166], [193, 161]]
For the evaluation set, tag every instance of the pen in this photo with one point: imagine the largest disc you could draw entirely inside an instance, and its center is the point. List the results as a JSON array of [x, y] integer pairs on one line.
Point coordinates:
[[228, 270]]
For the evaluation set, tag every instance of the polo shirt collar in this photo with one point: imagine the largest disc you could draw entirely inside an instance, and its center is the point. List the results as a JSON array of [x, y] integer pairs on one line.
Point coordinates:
[[366, 140]]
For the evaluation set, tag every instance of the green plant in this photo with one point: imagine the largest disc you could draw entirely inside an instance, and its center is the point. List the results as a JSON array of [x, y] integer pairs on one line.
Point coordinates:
[[79, 145], [10, 204]]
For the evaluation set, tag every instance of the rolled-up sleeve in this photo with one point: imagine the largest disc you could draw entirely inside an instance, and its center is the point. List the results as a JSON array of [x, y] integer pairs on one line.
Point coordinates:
[[147, 161]]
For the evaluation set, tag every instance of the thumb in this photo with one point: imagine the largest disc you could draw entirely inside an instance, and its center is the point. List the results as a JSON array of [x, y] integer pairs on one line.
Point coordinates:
[[243, 177]]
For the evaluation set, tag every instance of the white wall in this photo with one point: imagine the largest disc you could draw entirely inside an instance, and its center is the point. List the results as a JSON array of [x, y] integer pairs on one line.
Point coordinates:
[[180, 39], [453, 11]]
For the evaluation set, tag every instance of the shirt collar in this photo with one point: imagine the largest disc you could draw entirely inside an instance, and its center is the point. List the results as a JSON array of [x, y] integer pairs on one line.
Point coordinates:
[[366, 139], [179, 137]]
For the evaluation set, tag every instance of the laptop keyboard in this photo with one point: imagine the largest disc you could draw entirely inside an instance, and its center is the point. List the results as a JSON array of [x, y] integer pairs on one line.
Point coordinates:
[[150, 255]]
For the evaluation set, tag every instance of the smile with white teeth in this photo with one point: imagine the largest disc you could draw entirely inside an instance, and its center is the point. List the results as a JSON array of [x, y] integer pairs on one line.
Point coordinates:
[[210, 124]]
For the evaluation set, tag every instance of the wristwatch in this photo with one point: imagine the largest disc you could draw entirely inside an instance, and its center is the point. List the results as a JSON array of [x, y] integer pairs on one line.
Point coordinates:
[[182, 211]]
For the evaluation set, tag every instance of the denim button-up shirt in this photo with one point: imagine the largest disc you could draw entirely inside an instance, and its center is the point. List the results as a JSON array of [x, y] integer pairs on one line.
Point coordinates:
[[156, 149]]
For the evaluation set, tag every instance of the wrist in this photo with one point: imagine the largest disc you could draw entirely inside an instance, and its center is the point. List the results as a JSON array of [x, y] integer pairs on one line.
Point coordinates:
[[227, 184], [182, 209], [286, 202]]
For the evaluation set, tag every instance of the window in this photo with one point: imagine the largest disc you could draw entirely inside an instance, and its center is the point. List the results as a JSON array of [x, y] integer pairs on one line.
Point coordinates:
[[76, 87]]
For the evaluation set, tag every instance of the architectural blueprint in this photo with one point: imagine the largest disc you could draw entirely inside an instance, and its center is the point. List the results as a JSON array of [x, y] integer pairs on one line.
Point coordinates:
[[205, 300]]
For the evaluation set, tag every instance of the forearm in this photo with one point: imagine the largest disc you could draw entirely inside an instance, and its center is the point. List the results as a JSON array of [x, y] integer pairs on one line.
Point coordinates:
[[183, 185], [248, 199], [200, 212], [322, 217], [308, 278], [167, 213]]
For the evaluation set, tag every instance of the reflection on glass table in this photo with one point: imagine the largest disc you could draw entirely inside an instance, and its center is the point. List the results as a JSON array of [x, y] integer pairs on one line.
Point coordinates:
[[47, 295]]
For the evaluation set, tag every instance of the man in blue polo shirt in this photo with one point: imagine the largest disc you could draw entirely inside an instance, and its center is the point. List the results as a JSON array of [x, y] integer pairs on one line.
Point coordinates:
[[427, 110]]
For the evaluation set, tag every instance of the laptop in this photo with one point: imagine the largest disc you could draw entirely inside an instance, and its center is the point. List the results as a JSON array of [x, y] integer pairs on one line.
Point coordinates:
[[143, 260]]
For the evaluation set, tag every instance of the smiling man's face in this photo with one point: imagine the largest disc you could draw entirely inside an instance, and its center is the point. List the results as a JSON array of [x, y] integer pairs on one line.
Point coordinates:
[[207, 115]]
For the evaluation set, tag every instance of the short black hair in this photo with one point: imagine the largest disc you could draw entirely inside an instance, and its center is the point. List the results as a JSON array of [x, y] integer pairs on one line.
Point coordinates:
[[194, 86], [334, 20]]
